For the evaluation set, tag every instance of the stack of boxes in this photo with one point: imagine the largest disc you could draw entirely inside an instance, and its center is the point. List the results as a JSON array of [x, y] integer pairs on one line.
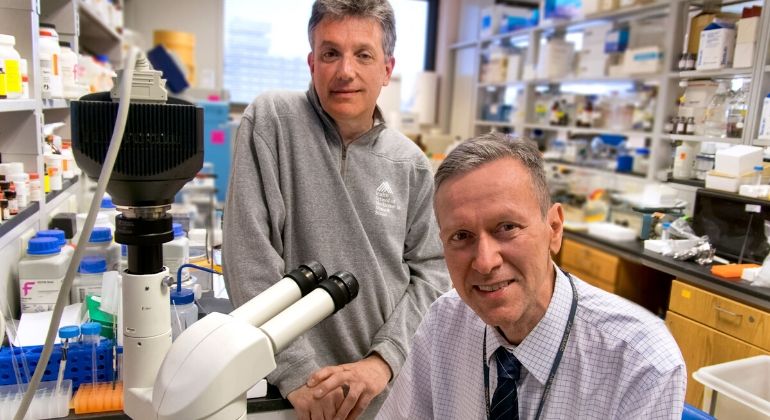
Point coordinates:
[[746, 37], [734, 167], [593, 61]]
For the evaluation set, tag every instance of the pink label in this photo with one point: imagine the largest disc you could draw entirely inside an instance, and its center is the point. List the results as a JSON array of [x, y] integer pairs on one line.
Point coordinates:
[[217, 137]]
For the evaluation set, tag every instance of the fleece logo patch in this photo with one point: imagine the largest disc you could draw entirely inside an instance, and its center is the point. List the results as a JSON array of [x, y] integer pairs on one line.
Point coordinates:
[[384, 201]]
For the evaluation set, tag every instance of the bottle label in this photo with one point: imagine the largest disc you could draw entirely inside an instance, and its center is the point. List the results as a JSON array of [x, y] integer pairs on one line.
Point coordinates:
[[12, 76], [46, 72], [3, 90], [38, 295]]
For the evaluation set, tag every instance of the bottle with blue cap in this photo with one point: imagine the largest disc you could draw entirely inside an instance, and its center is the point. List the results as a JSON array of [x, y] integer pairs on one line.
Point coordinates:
[[90, 333], [101, 244], [107, 208], [60, 236], [41, 273], [177, 252], [88, 280], [184, 312]]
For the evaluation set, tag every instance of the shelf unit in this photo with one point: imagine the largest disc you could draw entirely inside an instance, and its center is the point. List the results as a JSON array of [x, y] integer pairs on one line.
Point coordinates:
[[22, 120], [675, 15]]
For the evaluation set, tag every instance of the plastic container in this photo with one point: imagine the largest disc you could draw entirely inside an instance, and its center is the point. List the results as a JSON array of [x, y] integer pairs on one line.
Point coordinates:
[[80, 220], [101, 244], [184, 312], [35, 187], [90, 333], [24, 70], [684, 161], [88, 280], [40, 275], [641, 160], [10, 68], [177, 252], [60, 238], [107, 208], [21, 184], [741, 388], [69, 62], [49, 402], [68, 161], [50, 62]]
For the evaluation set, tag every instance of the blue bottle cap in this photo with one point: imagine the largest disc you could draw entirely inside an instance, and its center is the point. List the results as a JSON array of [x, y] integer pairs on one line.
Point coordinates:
[[666, 225], [182, 297], [43, 246], [93, 264], [107, 203], [759, 168], [178, 231], [70, 331], [53, 233], [101, 234], [90, 328]]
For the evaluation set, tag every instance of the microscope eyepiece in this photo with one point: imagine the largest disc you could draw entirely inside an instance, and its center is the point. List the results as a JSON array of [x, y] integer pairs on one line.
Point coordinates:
[[342, 287], [308, 276]]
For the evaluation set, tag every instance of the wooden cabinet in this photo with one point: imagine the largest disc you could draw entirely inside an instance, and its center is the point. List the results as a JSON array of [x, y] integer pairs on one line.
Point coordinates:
[[635, 282], [712, 329]]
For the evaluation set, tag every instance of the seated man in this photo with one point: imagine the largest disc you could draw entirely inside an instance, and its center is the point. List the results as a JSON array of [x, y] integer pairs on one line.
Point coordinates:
[[519, 337]]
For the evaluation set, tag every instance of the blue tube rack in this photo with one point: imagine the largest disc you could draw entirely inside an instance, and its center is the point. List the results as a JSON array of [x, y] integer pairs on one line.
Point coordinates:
[[78, 368]]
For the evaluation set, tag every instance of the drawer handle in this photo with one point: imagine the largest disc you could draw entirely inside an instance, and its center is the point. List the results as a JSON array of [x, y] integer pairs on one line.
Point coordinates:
[[725, 311]]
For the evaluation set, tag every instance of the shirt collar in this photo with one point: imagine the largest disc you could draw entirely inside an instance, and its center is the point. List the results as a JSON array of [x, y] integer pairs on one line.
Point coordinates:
[[538, 349]]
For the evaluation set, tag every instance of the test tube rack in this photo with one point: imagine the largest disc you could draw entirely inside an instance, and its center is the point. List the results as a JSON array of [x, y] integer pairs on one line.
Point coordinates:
[[78, 367]]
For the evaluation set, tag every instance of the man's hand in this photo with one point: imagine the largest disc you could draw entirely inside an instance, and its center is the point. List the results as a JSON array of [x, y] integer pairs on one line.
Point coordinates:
[[359, 381], [308, 407]]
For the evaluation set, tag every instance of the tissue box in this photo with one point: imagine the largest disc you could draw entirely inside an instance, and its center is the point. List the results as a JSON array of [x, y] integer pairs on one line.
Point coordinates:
[[737, 161], [717, 44]]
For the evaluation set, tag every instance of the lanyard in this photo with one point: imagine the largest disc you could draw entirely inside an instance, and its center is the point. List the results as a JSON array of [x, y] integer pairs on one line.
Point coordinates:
[[556, 361]]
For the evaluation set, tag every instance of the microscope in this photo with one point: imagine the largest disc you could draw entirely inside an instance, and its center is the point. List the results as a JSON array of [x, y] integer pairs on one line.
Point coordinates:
[[206, 372]]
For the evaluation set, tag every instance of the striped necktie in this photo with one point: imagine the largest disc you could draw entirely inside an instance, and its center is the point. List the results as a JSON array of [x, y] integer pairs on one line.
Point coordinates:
[[505, 401]]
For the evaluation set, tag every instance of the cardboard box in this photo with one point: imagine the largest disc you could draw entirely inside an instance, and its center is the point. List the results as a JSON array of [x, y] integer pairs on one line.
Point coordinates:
[[555, 59], [608, 5], [643, 60], [747, 30], [744, 55], [589, 7], [591, 66], [513, 70], [737, 160], [699, 22], [597, 34], [495, 17], [717, 181], [716, 49], [616, 41]]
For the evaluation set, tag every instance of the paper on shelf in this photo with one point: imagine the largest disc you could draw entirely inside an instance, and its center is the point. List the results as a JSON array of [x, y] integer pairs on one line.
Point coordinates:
[[33, 326]]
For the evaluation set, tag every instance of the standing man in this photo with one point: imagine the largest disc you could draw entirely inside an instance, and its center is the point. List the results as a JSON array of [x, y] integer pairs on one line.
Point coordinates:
[[519, 337], [318, 176]]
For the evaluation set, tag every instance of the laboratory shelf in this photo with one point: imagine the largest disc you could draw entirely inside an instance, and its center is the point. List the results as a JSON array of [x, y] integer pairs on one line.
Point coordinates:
[[11, 229], [15, 105], [652, 77], [520, 33], [463, 44], [586, 130], [715, 74], [495, 123], [640, 11], [697, 183], [597, 171], [55, 198], [55, 104], [92, 26], [683, 137], [515, 83]]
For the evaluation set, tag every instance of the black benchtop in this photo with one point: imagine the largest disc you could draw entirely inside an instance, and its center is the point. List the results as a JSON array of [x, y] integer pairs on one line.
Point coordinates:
[[690, 272]]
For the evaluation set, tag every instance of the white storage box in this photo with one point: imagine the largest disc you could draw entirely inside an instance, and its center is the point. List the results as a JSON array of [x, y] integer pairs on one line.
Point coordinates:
[[741, 388], [747, 30], [717, 181], [743, 55], [717, 44], [643, 60], [738, 160], [555, 59]]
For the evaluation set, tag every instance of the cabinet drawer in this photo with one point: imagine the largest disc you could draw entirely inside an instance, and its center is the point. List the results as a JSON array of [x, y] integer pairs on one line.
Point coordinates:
[[749, 324], [588, 278], [591, 261]]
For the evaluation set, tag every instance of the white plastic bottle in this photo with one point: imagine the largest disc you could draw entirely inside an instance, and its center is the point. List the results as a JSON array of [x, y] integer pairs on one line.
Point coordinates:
[[10, 68], [177, 252], [88, 280], [101, 244], [69, 63], [684, 161], [41, 273], [107, 208], [50, 62], [184, 312]]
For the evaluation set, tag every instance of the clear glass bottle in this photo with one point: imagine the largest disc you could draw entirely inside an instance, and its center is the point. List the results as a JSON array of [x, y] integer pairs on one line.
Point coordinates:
[[736, 112], [715, 123]]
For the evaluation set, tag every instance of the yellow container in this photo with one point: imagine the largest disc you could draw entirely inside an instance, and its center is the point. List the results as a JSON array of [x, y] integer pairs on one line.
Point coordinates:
[[182, 44]]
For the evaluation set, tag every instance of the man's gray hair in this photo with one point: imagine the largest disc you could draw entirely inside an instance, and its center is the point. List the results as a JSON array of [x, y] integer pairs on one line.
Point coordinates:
[[486, 148], [379, 10]]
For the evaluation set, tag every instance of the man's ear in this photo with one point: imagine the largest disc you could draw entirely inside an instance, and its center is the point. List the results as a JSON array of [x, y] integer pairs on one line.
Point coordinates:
[[389, 65], [311, 62], [555, 219]]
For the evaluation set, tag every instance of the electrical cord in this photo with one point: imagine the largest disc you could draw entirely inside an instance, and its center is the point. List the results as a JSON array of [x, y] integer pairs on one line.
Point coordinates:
[[101, 186]]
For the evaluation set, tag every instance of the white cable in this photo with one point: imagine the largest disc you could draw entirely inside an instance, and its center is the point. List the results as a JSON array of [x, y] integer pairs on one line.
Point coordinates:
[[101, 186]]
